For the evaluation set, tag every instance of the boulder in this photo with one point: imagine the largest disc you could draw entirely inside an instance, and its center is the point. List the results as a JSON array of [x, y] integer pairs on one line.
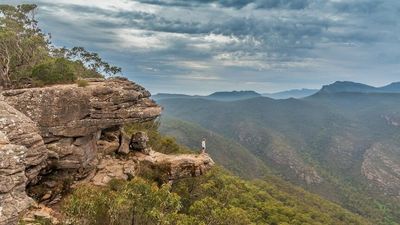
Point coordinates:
[[139, 142]]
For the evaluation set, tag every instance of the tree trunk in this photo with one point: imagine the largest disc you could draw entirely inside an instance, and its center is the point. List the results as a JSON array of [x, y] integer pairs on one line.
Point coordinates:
[[133, 219]]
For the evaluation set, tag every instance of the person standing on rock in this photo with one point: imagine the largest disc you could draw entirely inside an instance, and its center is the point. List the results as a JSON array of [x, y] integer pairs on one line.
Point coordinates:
[[203, 146]]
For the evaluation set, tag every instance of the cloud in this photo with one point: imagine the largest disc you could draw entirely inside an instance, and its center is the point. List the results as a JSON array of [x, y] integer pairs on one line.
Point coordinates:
[[178, 45], [238, 4]]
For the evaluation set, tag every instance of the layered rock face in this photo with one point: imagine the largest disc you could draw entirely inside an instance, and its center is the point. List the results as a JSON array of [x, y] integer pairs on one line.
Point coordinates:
[[21, 130], [61, 133], [177, 166], [13, 198], [71, 118], [22, 157]]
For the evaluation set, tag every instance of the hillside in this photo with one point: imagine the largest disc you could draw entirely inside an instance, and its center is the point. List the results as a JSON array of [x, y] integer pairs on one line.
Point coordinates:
[[218, 96], [348, 86], [233, 95], [341, 146], [226, 152], [295, 93]]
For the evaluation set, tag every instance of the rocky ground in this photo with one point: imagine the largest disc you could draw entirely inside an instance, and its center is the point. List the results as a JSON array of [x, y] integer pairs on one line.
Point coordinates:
[[55, 137]]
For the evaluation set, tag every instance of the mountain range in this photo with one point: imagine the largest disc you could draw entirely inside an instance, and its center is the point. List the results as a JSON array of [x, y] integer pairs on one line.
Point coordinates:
[[341, 143], [219, 96], [295, 93], [348, 86], [337, 87]]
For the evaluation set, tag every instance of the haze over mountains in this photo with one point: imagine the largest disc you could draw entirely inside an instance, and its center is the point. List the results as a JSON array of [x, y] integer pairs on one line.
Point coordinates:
[[219, 96], [295, 93], [341, 143], [338, 86]]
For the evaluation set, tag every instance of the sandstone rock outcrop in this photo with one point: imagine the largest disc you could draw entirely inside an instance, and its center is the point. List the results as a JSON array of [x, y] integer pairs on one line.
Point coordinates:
[[71, 118], [54, 137], [21, 130], [13, 198], [113, 168], [170, 167], [177, 166]]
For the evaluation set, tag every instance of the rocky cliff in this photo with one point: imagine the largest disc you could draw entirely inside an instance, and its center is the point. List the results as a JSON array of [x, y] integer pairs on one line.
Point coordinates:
[[13, 198], [66, 132], [382, 168], [21, 130], [71, 118], [22, 157]]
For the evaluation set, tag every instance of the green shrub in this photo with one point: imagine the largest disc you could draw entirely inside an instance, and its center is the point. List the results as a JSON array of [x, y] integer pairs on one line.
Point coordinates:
[[133, 202], [82, 83], [158, 174], [61, 71], [54, 71]]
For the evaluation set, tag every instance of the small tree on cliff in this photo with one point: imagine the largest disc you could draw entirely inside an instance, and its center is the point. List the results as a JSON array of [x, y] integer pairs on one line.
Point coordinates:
[[22, 44]]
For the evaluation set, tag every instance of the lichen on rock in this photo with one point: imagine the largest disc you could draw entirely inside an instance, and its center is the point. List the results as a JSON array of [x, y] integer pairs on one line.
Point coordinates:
[[13, 198]]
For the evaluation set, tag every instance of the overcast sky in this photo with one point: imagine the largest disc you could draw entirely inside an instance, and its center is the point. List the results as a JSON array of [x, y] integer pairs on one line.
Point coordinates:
[[202, 46]]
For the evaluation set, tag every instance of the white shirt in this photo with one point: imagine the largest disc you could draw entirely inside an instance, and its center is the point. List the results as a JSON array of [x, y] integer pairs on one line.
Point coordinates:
[[203, 144]]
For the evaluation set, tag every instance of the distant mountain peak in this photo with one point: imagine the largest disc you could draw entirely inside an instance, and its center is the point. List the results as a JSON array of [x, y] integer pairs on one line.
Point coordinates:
[[294, 93], [233, 95], [354, 87], [247, 93], [219, 96]]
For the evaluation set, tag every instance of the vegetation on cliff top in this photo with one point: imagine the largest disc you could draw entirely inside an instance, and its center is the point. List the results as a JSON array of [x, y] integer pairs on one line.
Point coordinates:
[[28, 58]]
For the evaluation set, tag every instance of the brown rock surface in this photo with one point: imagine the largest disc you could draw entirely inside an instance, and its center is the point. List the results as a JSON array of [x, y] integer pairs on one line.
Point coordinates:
[[72, 111], [177, 166], [13, 198], [21, 130], [71, 118], [173, 167], [112, 168]]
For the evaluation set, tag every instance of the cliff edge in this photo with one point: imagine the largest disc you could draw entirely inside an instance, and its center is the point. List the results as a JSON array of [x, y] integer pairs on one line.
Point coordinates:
[[61, 133]]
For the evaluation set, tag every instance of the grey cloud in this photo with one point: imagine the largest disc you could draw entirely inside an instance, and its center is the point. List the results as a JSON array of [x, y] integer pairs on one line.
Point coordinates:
[[271, 43], [360, 7], [238, 4]]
